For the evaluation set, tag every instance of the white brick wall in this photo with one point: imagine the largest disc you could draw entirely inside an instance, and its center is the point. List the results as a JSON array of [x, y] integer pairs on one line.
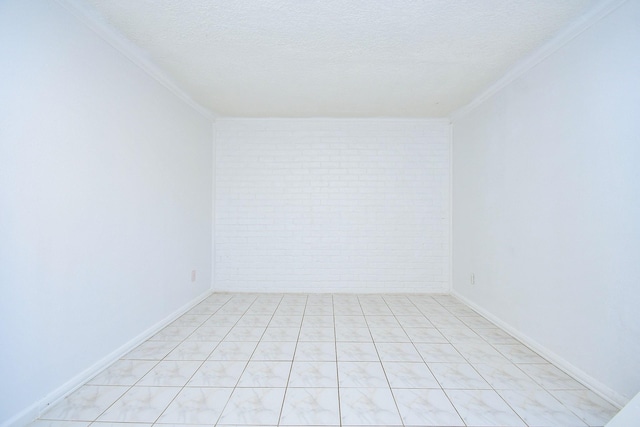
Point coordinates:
[[332, 205]]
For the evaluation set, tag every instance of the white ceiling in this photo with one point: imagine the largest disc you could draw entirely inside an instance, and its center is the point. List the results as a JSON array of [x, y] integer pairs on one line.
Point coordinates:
[[337, 58]]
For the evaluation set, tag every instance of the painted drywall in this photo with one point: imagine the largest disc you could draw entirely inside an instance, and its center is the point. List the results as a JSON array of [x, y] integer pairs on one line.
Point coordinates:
[[546, 202], [332, 205], [105, 201]]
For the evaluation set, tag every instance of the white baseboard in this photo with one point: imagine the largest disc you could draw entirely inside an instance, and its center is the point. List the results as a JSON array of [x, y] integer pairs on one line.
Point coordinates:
[[594, 385], [35, 410]]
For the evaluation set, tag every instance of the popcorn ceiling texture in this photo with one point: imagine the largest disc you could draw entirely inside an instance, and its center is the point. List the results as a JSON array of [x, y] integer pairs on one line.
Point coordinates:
[[336, 58]]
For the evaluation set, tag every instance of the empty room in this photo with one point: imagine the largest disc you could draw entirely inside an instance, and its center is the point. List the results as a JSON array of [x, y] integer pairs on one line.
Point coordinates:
[[319, 213]]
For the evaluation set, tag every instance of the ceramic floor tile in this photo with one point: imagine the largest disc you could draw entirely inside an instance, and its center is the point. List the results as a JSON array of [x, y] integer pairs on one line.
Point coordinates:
[[317, 334], [196, 406], [217, 373], [192, 350], [483, 408], [245, 334], [361, 374], [313, 374], [409, 375], [539, 408], [190, 320], [319, 310], [426, 335], [495, 336], [368, 407], [480, 352], [352, 334], [398, 352], [382, 321], [550, 377], [123, 372], [253, 406], [268, 350], [357, 352], [388, 334], [518, 353], [286, 321], [140, 404], [264, 360], [281, 334], [109, 424], [253, 321], [317, 321], [460, 335], [588, 406], [415, 321], [170, 373], [86, 403], [460, 376], [265, 374], [350, 321], [426, 408], [310, 407], [233, 351], [54, 423], [151, 350], [439, 353], [315, 351], [506, 377], [209, 333]]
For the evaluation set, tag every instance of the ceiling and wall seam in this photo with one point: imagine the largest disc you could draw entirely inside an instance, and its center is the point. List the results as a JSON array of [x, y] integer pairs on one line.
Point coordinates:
[[132, 52], [540, 54]]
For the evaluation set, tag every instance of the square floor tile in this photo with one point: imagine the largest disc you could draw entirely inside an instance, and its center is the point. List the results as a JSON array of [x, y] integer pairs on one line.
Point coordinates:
[[427, 407], [218, 373], [265, 374], [310, 407], [86, 403], [313, 374], [368, 406], [458, 376], [439, 353], [357, 352], [588, 406], [170, 373], [196, 406], [483, 408], [539, 408], [233, 351], [398, 352], [253, 406], [409, 375], [307, 351], [361, 374], [269, 350], [192, 350], [140, 404], [123, 372]]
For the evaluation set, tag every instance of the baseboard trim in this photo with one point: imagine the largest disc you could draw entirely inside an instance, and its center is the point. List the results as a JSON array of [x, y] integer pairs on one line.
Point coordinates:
[[596, 386], [35, 410]]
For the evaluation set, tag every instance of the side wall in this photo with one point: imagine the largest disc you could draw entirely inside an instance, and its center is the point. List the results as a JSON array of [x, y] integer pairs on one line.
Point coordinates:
[[546, 204], [332, 205], [105, 202]]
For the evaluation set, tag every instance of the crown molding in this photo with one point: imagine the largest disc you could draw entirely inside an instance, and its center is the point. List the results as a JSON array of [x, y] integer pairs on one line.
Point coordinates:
[[540, 54], [131, 51]]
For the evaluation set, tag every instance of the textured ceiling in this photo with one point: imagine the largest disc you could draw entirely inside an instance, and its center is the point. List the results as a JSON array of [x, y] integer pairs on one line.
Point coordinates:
[[337, 58]]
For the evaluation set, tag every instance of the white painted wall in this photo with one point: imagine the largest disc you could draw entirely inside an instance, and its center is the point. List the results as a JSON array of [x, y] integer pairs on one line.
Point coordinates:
[[546, 203], [105, 201], [332, 205]]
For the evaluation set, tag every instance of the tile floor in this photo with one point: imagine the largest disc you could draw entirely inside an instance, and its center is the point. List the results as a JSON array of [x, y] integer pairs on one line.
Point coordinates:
[[330, 360]]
